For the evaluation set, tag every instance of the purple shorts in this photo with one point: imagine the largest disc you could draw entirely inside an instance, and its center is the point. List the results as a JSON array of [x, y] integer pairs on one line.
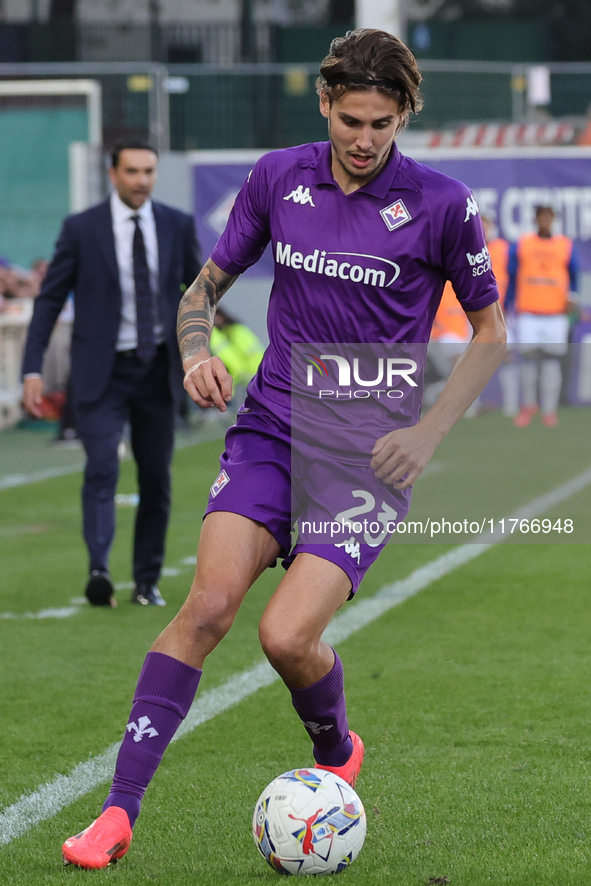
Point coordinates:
[[344, 514]]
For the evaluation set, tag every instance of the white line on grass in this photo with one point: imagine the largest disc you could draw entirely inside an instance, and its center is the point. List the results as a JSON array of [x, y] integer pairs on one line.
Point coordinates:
[[61, 612], [78, 603], [10, 481], [49, 799]]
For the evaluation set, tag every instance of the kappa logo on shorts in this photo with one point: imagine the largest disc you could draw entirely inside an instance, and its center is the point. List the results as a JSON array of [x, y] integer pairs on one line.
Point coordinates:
[[221, 481], [352, 547], [395, 215]]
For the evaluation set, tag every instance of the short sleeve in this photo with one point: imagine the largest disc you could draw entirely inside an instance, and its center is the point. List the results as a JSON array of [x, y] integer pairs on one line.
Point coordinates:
[[247, 232], [465, 256]]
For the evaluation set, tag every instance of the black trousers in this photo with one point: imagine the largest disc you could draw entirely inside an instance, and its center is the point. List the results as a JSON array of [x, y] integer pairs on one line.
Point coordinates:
[[138, 394]]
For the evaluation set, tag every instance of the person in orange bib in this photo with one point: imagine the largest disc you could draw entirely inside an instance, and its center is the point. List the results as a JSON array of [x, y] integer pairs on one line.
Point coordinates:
[[451, 325], [498, 250], [451, 331], [543, 275], [449, 338]]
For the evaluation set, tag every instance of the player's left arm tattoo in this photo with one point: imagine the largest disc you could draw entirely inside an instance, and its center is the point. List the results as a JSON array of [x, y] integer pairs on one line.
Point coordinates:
[[197, 309]]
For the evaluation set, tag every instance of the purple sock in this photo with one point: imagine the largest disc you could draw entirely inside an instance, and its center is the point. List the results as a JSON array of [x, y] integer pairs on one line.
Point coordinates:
[[322, 709], [165, 691]]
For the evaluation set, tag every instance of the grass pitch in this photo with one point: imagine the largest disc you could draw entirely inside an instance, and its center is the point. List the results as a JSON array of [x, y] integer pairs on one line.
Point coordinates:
[[472, 696]]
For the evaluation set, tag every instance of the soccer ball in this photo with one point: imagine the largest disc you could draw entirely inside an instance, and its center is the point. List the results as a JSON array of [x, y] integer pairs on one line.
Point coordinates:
[[309, 821]]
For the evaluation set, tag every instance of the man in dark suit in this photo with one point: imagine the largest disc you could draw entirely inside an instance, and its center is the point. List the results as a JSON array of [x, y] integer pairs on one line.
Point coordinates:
[[126, 261]]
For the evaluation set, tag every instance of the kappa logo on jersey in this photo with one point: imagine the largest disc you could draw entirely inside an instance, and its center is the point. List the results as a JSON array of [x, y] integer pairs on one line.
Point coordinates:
[[395, 215], [301, 195], [471, 207], [221, 481]]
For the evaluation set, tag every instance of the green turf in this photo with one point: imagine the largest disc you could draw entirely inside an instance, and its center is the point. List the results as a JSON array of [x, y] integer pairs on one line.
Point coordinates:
[[472, 697]]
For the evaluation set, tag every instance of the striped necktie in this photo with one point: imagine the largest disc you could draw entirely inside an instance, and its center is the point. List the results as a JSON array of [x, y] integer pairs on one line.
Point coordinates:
[[146, 344]]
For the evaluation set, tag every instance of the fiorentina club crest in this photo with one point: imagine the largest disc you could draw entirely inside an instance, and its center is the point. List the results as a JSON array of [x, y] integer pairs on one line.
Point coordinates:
[[221, 481], [395, 215]]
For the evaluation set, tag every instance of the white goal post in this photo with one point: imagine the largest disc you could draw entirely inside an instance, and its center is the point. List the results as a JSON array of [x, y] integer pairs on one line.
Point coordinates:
[[89, 88], [41, 180], [82, 156]]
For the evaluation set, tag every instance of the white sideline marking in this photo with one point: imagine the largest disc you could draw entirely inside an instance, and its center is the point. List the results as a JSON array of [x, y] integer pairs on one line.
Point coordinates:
[[49, 799], [62, 612], [10, 481], [78, 603], [55, 612]]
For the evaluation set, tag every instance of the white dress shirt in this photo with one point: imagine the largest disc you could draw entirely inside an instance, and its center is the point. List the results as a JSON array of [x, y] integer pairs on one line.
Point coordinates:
[[123, 231]]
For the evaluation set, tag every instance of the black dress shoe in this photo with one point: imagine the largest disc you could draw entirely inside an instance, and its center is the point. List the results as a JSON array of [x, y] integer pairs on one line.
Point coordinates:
[[99, 589], [147, 595]]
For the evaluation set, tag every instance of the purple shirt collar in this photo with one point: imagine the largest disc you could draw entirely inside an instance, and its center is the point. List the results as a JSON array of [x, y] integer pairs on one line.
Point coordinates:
[[391, 176]]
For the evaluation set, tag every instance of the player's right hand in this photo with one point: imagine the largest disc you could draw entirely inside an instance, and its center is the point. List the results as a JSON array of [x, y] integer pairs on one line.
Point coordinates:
[[208, 383], [33, 396]]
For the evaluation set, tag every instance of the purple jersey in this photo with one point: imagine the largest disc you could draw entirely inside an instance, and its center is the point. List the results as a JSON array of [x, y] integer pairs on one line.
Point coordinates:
[[369, 266]]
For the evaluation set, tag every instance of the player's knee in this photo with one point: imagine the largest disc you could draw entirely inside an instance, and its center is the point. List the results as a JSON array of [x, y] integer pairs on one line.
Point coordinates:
[[285, 647], [208, 613]]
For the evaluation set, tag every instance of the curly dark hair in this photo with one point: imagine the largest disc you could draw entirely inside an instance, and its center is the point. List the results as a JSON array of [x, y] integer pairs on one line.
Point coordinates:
[[368, 58]]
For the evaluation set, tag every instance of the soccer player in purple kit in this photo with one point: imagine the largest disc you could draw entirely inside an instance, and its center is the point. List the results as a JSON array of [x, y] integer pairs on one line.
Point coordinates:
[[364, 240]]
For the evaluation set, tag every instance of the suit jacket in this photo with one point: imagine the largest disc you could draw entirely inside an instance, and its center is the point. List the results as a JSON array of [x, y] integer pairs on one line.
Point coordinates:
[[85, 264]]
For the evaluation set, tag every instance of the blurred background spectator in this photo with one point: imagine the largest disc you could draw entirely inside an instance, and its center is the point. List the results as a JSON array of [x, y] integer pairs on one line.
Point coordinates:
[[15, 284], [544, 280], [237, 346]]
